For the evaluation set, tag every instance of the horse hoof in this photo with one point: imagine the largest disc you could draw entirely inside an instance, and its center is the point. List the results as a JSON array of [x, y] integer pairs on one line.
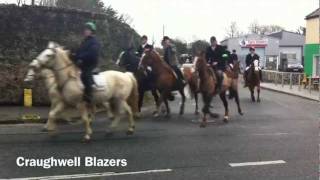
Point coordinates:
[[156, 114], [137, 116], [45, 129], [129, 132], [86, 139], [109, 134], [196, 113], [241, 113], [168, 116], [214, 115], [226, 119], [203, 125], [258, 100]]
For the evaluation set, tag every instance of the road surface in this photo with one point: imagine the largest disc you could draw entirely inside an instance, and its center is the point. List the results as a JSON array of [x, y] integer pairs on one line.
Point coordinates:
[[278, 137]]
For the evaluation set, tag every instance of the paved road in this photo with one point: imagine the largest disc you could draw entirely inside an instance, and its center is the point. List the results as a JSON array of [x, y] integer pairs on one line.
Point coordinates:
[[281, 127]]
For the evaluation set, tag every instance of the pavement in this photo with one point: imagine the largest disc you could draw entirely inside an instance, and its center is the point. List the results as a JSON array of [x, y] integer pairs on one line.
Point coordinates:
[[279, 137], [295, 91]]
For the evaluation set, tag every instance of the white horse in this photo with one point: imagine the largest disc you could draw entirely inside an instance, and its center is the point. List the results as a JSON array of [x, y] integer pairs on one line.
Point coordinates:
[[119, 91], [54, 95]]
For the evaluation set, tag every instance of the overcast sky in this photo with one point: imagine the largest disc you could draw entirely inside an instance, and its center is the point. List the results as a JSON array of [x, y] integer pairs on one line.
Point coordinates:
[[200, 19]]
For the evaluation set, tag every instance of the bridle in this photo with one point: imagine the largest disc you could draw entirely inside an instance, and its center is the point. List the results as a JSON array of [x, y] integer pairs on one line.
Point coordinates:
[[56, 70]]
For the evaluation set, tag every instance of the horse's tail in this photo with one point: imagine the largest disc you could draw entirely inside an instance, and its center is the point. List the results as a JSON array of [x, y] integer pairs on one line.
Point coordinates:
[[134, 96]]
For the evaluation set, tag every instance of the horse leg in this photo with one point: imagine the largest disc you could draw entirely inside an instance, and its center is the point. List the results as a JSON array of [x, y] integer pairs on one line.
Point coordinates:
[[158, 105], [181, 91], [225, 104], [253, 99], [205, 110], [167, 107], [141, 95], [258, 92], [51, 124], [197, 106], [115, 108], [156, 98], [85, 118], [130, 118], [237, 99]]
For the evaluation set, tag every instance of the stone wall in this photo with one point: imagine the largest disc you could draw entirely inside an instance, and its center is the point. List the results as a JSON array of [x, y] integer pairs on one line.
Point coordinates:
[[25, 31]]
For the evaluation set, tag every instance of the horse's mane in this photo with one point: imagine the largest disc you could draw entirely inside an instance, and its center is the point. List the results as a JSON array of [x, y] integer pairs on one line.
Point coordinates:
[[64, 56], [158, 58]]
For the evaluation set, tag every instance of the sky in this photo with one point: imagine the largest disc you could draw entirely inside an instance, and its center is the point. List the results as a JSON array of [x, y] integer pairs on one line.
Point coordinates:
[[200, 19], [191, 20]]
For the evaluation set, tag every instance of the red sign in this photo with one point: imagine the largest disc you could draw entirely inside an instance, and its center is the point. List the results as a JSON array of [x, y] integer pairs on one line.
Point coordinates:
[[254, 43]]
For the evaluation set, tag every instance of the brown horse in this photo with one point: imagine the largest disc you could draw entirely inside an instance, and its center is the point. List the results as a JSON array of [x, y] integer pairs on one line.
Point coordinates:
[[192, 79], [254, 80], [166, 80], [208, 83]]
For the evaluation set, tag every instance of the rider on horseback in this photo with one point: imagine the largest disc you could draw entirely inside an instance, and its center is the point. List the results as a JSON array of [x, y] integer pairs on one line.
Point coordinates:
[[144, 45], [249, 61], [217, 56], [87, 59], [171, 58]]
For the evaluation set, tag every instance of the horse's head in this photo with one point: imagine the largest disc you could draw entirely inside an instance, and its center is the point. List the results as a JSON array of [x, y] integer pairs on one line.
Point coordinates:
[[148, 58], [256, 65], [128, 59], [46, 59], [200, 61], [41, 60]]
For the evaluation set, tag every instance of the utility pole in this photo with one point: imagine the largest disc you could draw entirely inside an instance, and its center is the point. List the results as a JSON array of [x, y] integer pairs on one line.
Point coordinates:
[[32, 2], [163, 29]]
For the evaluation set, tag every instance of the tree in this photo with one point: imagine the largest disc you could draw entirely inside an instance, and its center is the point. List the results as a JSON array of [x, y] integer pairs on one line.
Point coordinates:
[[232, 30], [198, 46], [256, 28], [301, 30], [89, 5], [181, 46], [50, 3]]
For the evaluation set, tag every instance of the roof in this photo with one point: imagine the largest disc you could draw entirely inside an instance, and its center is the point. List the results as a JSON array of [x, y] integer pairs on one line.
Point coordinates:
[[288, 38], [246, 36], [314, 14]]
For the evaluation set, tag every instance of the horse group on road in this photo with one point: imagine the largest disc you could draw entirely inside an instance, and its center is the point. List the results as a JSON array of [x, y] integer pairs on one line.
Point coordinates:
[[125, 90]]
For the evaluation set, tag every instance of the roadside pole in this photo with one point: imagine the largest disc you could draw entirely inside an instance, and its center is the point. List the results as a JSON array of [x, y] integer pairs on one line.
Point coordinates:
[[27, 114]]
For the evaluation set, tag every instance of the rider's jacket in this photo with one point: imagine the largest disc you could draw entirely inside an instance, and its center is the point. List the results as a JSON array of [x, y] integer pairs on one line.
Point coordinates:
[[219, 56], [250, 58], [233, 57], [170, 55], [88, 52]]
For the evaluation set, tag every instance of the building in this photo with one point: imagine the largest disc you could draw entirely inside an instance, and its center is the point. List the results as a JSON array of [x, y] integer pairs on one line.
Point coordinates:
[[274, 49], [291, 47], [312, 47], [266, 47]]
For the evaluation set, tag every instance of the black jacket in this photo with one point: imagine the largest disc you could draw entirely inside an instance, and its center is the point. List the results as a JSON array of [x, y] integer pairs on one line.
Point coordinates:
[[234, 57], [88, 52], [217, 56], [141, 49], [250, 59]]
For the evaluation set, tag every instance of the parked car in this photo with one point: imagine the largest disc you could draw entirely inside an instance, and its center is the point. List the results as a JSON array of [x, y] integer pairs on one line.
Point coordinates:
[[294, 66]]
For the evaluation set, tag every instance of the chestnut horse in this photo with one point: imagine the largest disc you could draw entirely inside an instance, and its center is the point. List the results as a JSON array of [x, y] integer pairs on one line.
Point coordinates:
[[128, 60], [254, 80], [192, 79], [166, 80], [208, 83]]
